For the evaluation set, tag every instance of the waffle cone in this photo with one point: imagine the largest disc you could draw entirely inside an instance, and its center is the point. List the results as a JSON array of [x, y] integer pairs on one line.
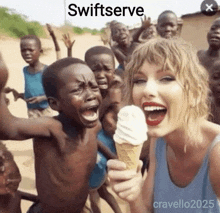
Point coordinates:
[[129, 154]]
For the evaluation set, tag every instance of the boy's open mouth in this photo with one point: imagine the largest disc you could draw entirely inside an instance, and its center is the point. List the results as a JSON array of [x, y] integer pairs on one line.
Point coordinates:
[[154, 114], [91, 113], [102, 84]]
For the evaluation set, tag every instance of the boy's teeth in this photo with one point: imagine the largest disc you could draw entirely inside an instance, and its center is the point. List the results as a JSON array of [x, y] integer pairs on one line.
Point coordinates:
[[91, 116], [153, 108]]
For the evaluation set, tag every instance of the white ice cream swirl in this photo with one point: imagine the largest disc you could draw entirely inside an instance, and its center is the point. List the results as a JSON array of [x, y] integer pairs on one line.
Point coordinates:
[[131, 126]]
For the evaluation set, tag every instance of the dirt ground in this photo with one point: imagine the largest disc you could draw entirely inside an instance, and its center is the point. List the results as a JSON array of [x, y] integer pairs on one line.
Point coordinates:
[[22, 150]]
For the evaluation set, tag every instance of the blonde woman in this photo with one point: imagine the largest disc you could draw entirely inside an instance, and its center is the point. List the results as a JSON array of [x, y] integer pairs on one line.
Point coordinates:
[[184, 151]]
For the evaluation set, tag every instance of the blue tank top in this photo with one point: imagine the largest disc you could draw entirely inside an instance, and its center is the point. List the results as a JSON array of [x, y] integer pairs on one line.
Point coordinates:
[[34, 88], [197, 197], [97, 177]]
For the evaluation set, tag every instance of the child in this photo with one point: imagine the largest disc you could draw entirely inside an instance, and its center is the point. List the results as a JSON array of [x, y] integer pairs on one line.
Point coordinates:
[[98, 183], [125, 43], [214, 83], [10, 197], [13, 128], [34, 93], [212, 54], [167, 24], [167, 82], [62, 179], [101, 60]]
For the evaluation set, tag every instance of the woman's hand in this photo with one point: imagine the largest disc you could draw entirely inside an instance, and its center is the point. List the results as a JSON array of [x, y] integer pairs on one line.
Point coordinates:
[[127, 184]]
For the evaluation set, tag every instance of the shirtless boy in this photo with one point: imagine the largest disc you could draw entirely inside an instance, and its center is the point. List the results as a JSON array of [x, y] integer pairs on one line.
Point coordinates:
[[62, 178], [125, 42], [34, 96], [212, 54]]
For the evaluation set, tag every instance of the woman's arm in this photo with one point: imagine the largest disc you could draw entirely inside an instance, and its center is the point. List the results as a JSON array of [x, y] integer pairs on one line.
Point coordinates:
[[130, 186], [214, 169], [144, 203]]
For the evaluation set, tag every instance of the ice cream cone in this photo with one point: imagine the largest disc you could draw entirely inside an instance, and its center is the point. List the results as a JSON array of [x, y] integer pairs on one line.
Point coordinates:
[[129, 154]]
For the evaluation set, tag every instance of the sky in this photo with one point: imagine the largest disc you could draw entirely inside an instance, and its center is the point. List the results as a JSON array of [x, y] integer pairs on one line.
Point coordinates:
[[55, 12]]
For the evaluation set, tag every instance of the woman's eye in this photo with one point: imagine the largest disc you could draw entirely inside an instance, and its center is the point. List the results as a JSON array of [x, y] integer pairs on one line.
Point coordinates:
[[167, 79]]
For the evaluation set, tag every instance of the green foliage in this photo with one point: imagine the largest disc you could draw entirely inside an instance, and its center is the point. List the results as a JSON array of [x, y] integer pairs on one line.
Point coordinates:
[[80, 31], [16, 25], [102, 30]]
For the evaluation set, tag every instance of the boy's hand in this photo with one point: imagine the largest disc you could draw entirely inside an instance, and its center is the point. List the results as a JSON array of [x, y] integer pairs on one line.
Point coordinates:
[[145, 22], [49, 28], [67, 41], [35, 100], [127, 184], [8, 90], [17, 95]]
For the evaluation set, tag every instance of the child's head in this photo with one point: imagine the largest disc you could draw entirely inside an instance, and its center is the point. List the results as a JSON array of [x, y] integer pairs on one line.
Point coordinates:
[[167, 24], [215, 81], [101, 61], [8, 171], [72, 90], [213, 35], [120, 34], [178, 65], [30, 46]]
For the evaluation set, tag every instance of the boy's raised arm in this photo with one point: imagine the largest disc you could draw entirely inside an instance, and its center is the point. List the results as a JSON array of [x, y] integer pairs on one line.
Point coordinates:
[[145, 23], [69, 44], [57, 47]]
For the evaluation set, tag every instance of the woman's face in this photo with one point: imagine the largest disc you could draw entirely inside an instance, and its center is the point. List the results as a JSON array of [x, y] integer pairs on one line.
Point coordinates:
[[161, 97]]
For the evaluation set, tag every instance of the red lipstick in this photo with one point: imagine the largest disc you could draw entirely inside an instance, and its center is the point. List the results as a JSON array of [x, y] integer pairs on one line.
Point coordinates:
[[154, 113]]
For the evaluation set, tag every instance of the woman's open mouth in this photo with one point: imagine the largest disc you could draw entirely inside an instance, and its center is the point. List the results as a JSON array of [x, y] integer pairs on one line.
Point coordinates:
[[154, 113]]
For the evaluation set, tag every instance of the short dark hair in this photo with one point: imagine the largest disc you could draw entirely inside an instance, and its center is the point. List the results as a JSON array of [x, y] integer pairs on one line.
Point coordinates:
[[98, 50], [50, 77], [34, 37], [166, 12]]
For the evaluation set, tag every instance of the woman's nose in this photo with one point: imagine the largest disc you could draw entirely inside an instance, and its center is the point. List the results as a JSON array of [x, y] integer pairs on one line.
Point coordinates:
[[150, 88]]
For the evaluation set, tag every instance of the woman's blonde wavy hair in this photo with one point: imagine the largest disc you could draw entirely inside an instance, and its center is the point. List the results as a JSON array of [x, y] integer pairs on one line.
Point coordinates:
[[179, 57]]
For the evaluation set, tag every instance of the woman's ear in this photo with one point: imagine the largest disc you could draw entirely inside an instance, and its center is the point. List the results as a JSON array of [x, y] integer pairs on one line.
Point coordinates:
[[54, 103]]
